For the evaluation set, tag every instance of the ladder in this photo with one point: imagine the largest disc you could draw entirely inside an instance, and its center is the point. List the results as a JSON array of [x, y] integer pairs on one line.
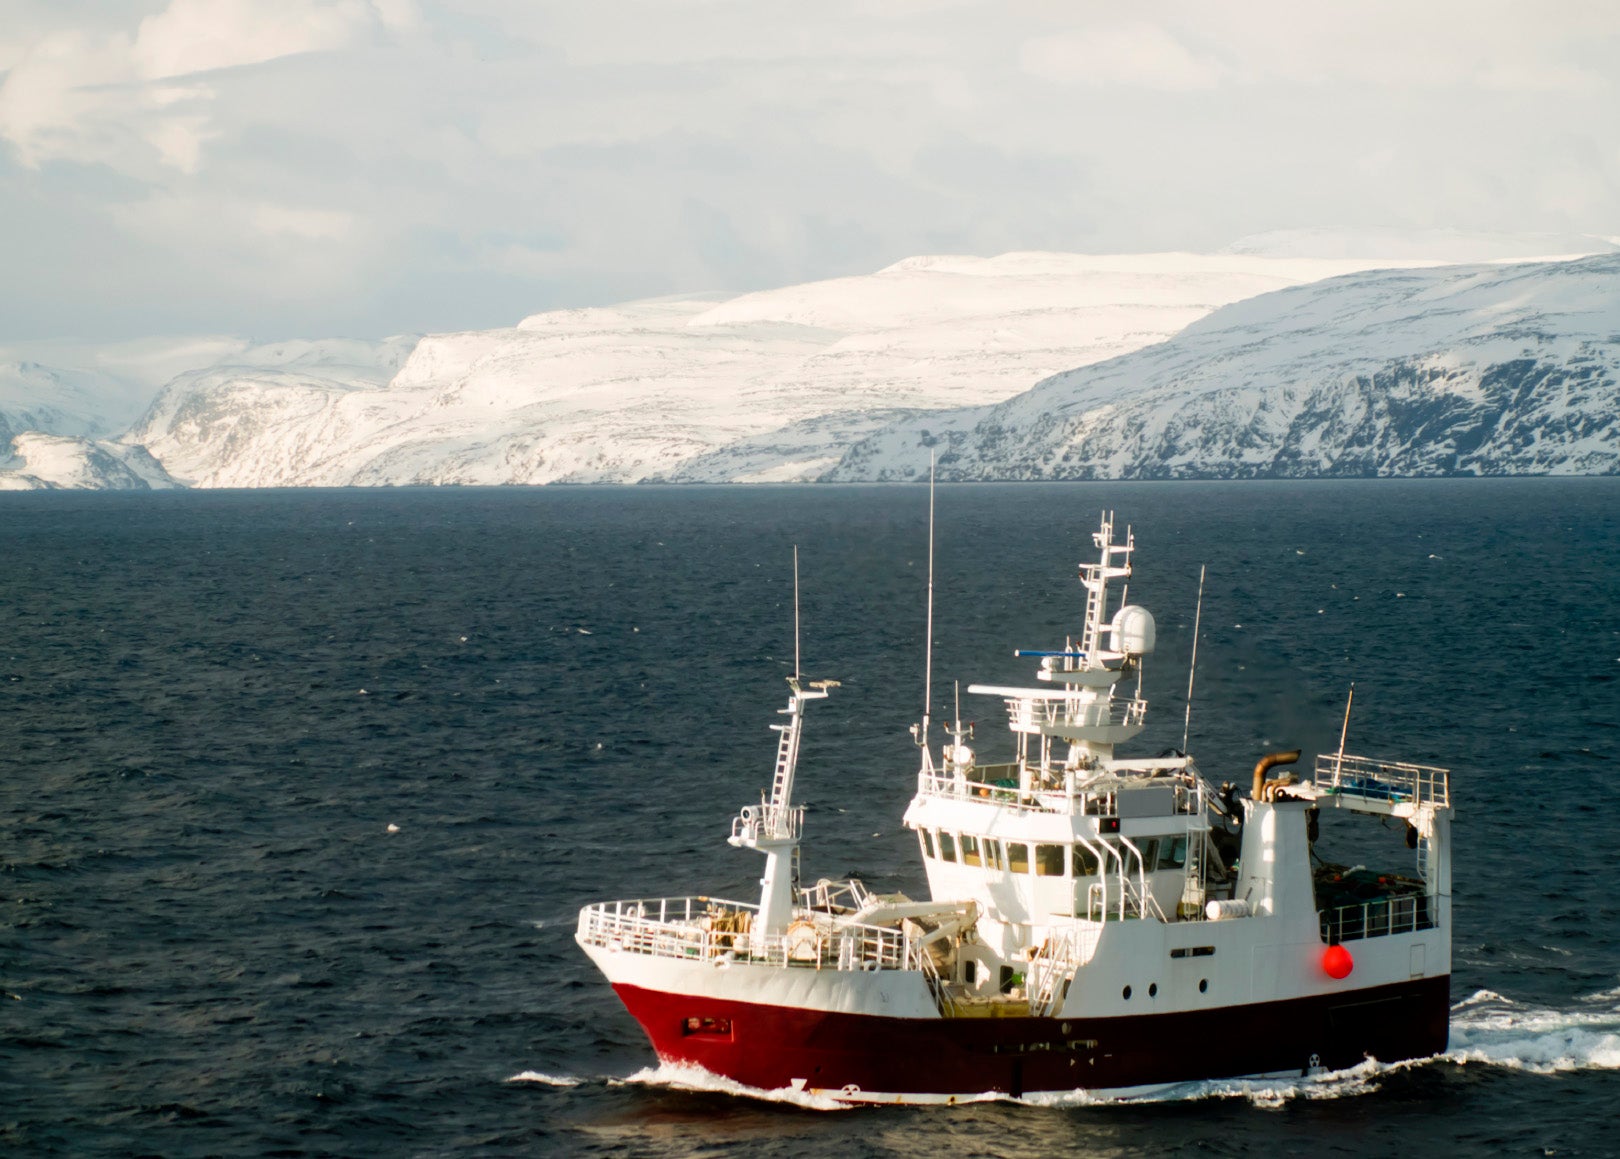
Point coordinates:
[[1096, 592], [785, 760], [1050, 973]]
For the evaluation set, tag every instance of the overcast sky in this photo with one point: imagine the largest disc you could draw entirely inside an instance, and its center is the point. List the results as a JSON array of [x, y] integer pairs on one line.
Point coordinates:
[[365, 167]]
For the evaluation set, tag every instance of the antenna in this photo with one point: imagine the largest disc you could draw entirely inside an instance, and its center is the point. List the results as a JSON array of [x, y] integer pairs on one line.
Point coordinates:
[[795, 611], [1192, 668], [928, 646], [1338, 762]]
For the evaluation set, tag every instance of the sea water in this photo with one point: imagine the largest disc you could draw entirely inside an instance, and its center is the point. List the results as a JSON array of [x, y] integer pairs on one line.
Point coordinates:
[[301, 792]]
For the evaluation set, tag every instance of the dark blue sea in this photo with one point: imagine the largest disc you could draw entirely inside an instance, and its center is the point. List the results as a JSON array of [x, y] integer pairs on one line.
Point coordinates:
[[216, 708]]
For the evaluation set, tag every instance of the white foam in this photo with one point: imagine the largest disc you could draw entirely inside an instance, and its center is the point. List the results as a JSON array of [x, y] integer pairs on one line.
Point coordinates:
[[683, 1077], [1488, 1028], [550, 1080], [1267, 1093]]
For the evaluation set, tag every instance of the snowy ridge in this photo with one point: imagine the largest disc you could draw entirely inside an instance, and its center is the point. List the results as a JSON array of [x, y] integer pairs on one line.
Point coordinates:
[[1023, 366], [769, 386], [1459, 370], [42, 462], [56, 401]]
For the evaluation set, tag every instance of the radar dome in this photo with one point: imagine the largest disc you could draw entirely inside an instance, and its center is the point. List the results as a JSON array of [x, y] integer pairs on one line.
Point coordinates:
[[1133, 630]]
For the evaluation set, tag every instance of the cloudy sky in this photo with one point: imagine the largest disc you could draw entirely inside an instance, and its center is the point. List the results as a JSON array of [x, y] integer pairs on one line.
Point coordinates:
[[364, 167]]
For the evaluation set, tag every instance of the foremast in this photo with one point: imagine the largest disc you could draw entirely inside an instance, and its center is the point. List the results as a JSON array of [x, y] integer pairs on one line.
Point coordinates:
[[774, 826]]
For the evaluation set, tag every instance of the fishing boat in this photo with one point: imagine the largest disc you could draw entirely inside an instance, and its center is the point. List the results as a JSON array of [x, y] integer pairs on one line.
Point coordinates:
[[1096, 922]]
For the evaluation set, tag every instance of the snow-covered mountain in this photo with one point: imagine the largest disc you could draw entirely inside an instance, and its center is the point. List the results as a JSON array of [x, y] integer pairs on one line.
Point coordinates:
[[1473, 370], [60, 400], [42, 462], [1022, 366], [766, 386], [53, 400], [49, 418]]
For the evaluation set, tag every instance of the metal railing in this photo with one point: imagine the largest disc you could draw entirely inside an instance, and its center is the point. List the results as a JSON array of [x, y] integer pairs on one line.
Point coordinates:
[[1065, 792], [982, 782], [1375, 780], [766, 820], [1029, 715], [828, 896], [1376, 918], [701, 928]]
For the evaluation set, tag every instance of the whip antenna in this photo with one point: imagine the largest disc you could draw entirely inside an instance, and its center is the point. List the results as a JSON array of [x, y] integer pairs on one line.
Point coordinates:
[[928, 645], [1338, 763], [795, 611], [1192, 668]]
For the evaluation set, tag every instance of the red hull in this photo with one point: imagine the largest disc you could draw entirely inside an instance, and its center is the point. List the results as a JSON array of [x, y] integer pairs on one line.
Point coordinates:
[[770, 1047]]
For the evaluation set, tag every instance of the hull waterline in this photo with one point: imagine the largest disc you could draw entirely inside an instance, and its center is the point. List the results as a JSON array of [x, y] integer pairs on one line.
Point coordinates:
[[865, 1057]]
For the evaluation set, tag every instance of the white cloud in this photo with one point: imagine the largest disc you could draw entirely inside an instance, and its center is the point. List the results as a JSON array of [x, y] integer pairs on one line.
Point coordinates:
[[302, 166], [97, 95], [305, 224], [1129, 55], [191, 36]]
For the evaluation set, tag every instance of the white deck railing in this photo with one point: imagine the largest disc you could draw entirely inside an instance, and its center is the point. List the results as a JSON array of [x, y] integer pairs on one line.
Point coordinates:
[[1376, 780], [1025, 714], [702, 928], [1377, 917], [998, 785]]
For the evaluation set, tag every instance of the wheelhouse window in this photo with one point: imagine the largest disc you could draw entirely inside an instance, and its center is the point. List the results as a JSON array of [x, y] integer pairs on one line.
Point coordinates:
[[1085, 862], [1017, 857], [970, 851], [947, 846], [1051, 860], [927, 842], [992, 853], [1130, 861], [1173, 853], [1150, 854]]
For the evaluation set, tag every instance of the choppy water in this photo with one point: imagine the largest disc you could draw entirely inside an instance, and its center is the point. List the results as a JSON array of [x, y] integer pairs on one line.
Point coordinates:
[[213, 707]]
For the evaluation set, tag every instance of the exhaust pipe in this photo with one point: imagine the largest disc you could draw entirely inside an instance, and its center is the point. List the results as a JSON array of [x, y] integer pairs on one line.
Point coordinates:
[[1269, 761]]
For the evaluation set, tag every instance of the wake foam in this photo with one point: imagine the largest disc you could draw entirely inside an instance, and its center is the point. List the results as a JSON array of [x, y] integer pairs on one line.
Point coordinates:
[[1488, 1028], [1267, 1093], [682, 1077], [550, 1080]]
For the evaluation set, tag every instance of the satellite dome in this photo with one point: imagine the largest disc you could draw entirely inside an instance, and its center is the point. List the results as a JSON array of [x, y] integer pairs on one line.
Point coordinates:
[[1133, 630]]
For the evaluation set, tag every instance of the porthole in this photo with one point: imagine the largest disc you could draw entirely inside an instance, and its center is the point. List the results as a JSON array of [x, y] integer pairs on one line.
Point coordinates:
[[1126, 994], [1153, 990], [1203, 985]]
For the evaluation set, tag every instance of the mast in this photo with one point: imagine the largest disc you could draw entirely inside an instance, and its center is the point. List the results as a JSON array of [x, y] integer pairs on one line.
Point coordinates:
[[919, 733], [774, 826]]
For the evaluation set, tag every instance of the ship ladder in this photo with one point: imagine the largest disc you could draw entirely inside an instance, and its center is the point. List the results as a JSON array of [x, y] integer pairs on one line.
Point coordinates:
[[1050, 971]]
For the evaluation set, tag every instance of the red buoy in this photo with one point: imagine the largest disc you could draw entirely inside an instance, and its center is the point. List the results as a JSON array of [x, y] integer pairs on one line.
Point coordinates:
[[1337, 962]]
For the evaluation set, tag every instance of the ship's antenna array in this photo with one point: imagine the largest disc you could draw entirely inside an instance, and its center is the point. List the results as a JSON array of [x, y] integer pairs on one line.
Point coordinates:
[[796, 611], [1192, 668]]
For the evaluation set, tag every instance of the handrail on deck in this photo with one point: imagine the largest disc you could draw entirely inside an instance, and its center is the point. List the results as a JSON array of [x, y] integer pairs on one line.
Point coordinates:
[[704, 928], [1377, 917], [1377, 780], [1027, 715]]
